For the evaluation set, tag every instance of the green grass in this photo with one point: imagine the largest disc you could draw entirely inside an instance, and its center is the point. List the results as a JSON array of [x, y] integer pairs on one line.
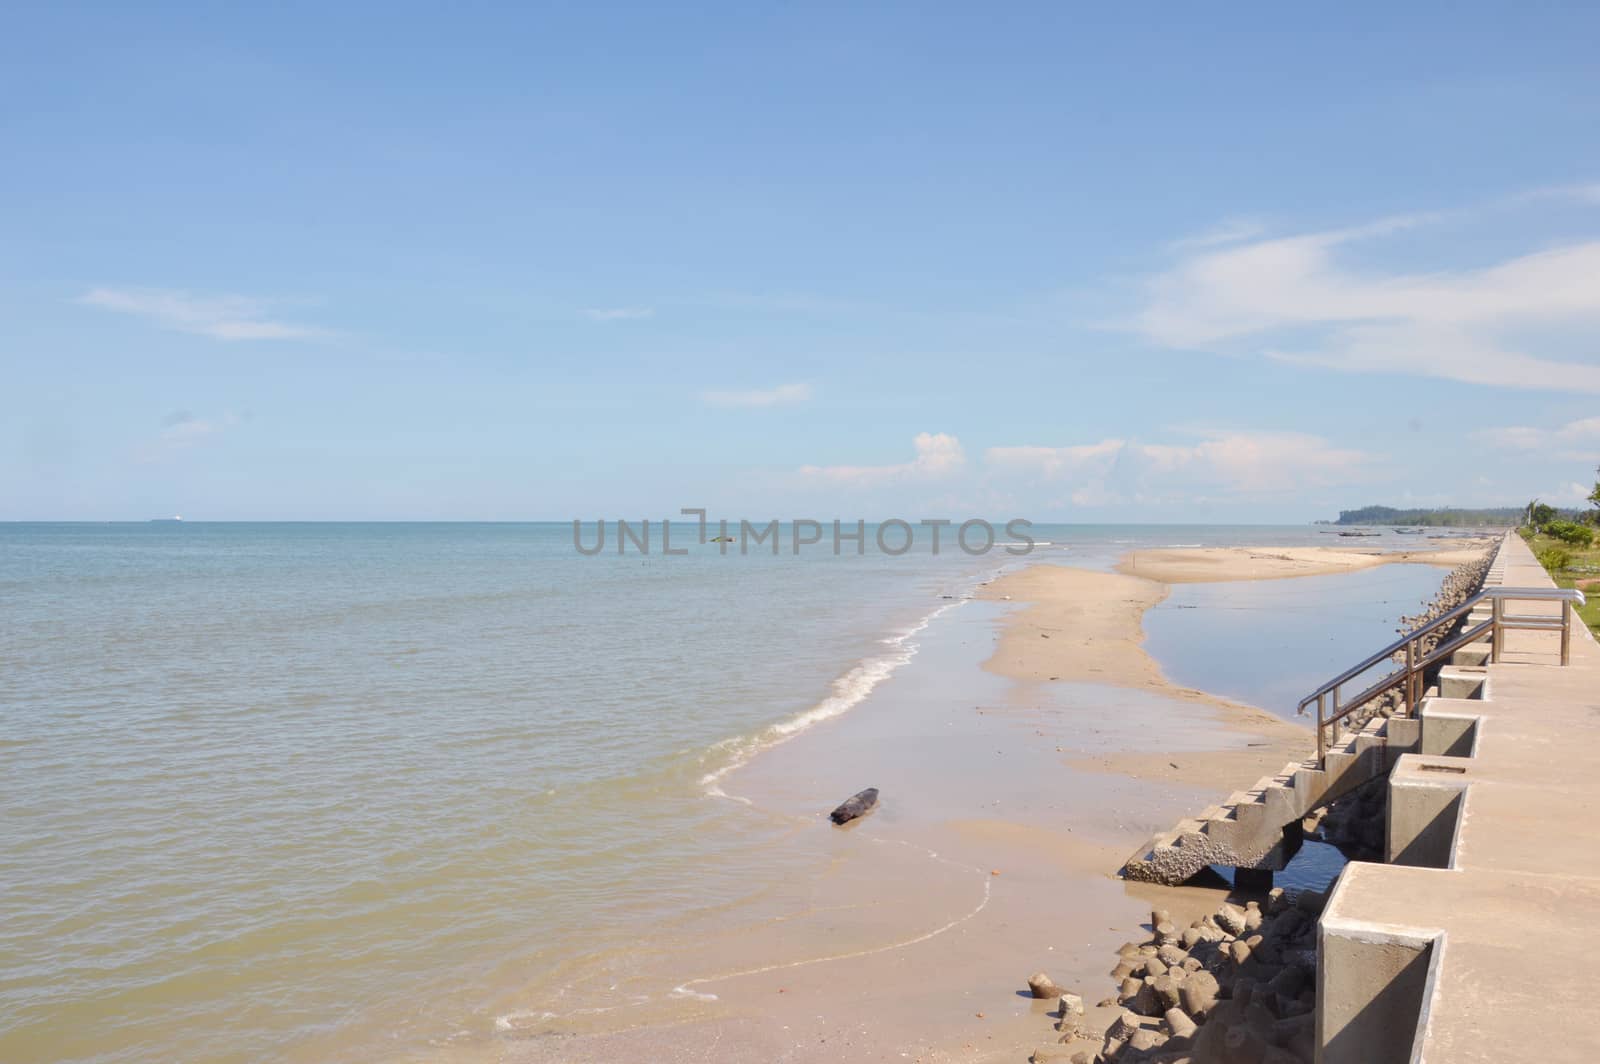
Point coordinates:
[[1583, 564]]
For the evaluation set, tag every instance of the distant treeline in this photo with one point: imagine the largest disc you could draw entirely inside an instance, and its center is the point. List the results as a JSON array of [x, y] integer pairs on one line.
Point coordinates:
[[1501, 517]]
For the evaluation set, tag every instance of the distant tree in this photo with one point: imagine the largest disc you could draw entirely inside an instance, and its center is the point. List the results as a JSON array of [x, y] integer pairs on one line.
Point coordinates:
[[1568, 532], [1540, 514], [1594, 496]]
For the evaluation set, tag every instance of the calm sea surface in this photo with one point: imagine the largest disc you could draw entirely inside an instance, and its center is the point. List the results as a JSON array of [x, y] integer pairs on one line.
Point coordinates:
[[267, 789]]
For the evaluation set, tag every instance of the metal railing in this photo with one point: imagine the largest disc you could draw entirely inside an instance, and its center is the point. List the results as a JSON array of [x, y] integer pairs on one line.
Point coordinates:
[[1333, 707]]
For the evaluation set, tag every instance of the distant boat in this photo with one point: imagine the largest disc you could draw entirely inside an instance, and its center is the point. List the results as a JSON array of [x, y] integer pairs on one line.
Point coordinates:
[[174, 519], [1410, 531], [1361, 535]]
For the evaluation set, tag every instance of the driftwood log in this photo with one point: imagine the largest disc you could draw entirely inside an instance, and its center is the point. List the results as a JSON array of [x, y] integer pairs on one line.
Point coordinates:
[[856, 805]]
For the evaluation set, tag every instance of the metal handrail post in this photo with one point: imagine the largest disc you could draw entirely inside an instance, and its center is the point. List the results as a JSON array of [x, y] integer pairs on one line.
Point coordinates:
[[1411, 677], [1412, 680], [1497, 637], [1321, 746], [1566, 633]]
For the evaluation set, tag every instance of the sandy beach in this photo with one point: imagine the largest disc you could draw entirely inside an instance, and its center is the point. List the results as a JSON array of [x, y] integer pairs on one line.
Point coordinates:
[[1081, 625], [1206, 564], [1034, 744], [909, 935]]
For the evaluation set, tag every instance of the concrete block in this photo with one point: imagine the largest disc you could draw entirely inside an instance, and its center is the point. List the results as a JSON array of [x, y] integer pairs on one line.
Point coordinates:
[[1372, 985], [1449, 727], [1460, 682], [1404, 735], [1427, 796]]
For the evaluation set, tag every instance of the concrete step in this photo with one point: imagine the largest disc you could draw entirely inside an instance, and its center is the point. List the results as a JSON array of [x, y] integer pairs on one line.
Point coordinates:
[[1463, 682]]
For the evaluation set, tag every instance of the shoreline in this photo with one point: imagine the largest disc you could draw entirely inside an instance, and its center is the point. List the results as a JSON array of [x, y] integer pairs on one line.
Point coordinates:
[[1093, 749]]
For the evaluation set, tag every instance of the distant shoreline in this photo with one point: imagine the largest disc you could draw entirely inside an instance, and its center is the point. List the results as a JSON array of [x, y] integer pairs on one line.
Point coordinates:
[[1207, 564]]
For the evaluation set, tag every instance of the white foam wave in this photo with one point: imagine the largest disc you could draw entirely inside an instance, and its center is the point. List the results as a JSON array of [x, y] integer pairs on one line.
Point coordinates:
[[522, 1019], [509, 1021], [849, 691]]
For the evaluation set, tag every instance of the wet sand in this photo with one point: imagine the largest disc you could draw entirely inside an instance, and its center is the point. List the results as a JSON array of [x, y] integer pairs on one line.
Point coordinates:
[[1081, 625], [1030, 747], [992, 854], [1205, 564], [910, 934]]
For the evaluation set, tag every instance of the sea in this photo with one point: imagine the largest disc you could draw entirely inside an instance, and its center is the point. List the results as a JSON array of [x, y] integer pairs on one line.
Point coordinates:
[[325, 791]]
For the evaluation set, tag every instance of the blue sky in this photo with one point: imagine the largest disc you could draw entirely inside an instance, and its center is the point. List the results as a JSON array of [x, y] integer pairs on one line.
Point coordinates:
[[522, 261]]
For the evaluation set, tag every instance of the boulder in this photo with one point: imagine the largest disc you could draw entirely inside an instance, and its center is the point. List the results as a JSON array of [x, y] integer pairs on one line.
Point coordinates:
[[1244, 1045], [1288, 983], [1071, 1012], [1166, 990], [1179, 1023], [1145, 1039], [1199, 993], [1231, 919], [1042, 987], [1123, 1027], [1311, 902]]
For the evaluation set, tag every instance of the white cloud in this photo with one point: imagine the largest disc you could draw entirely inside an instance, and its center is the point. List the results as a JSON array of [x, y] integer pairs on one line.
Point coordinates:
[[619, 313], [938, 455], [1580, 193], [1569, 494], [782, 394], [1241, 463], [1459, 325], [1228, 231], [219, 317], [1054, 462], [1576, 439]]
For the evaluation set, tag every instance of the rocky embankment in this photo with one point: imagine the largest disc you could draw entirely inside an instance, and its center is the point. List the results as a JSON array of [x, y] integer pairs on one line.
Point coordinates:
[[1235, 987]]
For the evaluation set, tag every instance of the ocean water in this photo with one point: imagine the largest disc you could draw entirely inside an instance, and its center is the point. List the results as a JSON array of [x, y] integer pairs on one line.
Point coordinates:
[[321, 791], [1270, 642]]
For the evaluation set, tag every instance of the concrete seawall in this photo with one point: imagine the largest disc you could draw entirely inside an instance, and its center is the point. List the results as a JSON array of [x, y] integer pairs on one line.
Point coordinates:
[[1472, 944]]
